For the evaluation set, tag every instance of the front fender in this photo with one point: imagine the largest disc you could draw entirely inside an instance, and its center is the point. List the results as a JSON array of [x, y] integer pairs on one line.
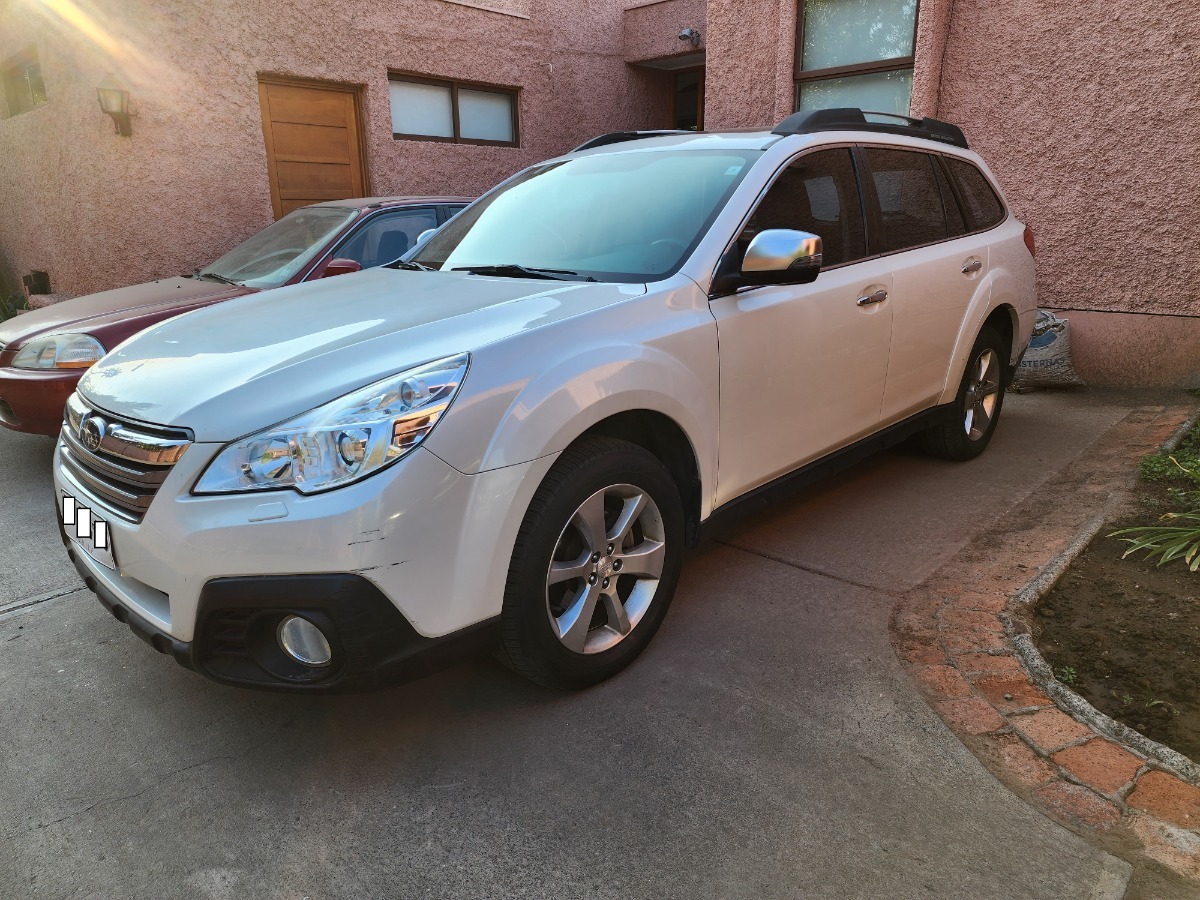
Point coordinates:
[[533, 394]]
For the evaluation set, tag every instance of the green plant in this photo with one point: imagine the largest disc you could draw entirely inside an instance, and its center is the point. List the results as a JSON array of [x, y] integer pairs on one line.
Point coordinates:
[[1066, 674], [1181, 466], [1178, 534], [1167, 542]]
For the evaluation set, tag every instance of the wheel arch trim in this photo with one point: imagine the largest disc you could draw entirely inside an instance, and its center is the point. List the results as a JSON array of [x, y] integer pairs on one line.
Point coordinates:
[[982, 309]]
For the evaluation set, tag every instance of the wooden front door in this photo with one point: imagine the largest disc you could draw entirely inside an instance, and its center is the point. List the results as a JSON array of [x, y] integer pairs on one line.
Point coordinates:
[[314, 145]]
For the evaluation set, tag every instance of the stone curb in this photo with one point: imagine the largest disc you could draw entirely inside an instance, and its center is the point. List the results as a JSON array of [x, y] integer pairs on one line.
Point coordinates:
[[1066, 699], [963, 636], [1171, 444], [1043, 676]]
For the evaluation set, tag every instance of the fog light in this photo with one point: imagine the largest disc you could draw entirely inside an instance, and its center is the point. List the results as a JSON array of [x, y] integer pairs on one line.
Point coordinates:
[[303, 642]]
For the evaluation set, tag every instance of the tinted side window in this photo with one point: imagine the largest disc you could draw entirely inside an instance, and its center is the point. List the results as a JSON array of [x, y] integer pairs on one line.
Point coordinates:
[[984, 208], [909, 198], [818, 193], [387, 237], [955, 222]]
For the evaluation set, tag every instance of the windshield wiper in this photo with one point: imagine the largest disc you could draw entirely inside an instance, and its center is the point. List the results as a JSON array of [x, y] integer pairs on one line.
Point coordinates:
[[215, 277], [511, 270], [410, 266]]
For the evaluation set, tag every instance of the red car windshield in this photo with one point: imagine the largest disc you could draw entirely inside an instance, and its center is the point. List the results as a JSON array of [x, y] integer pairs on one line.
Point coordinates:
[[279, 251]]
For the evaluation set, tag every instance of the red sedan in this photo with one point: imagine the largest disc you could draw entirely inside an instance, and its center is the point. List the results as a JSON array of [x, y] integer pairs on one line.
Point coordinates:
[[44, 353]]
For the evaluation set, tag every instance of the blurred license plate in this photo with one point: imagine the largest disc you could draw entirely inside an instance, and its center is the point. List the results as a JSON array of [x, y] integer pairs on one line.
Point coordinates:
[[88, 530]]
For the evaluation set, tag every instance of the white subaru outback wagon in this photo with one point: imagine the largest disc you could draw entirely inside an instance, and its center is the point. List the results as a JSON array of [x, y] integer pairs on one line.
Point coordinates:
[[510, 438]]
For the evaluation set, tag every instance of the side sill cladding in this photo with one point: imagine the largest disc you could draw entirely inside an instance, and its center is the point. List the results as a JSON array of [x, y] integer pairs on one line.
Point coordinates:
[[731, 513]]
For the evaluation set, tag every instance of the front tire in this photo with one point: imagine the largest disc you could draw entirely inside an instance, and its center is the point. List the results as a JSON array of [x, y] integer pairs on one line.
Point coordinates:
[[595, 565], [977, 405]]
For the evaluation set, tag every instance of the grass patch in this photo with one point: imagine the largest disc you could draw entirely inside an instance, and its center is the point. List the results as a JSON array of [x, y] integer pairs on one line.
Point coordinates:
[[1180, 467]]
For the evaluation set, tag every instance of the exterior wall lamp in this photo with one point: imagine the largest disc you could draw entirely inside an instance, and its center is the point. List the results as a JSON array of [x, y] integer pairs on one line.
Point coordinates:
[[691, 35], [114, 101]]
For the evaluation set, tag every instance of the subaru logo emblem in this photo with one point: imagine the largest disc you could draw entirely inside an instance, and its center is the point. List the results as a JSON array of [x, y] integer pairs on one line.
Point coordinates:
[[92, 432]]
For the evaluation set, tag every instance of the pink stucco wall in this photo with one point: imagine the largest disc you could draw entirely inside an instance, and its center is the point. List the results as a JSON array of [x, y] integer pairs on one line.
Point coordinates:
[[1088, 114], [751, 46], [652, 28], [96, 210]]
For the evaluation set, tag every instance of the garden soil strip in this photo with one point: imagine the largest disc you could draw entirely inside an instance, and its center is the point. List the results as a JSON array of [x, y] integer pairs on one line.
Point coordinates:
[[958, 631]]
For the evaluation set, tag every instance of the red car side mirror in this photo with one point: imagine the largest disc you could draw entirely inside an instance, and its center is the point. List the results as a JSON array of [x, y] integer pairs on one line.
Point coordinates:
[[341, 267]]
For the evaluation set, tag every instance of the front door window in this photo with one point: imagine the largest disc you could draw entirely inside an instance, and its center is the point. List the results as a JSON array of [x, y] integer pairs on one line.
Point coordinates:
[[387, 237]]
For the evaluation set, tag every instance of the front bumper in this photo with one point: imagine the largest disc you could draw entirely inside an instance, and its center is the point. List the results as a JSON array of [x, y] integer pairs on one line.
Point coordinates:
[[403, 570], [373, 645], [33, 400]]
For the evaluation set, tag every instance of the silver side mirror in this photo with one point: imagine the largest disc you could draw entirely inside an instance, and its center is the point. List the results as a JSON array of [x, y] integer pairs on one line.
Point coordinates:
[[783, 256]]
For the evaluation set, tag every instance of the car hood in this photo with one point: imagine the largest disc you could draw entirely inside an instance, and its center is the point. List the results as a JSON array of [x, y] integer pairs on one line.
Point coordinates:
[[97, 310], [232, 369]]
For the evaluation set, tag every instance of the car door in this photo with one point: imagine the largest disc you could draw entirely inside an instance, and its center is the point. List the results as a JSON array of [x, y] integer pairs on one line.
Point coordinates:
[[386, 236], [803, 367], [937, 268]]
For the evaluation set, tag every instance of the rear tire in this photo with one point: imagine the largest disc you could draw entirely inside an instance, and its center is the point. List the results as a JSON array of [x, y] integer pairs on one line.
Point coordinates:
[[595, 565], [977, 405]]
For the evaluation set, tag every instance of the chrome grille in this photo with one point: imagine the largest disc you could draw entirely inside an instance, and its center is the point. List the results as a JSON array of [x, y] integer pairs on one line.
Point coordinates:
[[121, 463]]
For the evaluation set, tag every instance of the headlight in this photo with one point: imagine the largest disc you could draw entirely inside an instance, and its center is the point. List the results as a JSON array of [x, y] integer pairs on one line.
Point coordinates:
[[60, 351], [343, 441]]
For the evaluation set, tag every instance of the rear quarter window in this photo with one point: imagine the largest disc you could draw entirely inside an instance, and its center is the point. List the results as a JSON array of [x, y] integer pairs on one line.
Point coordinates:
[[982, 205]]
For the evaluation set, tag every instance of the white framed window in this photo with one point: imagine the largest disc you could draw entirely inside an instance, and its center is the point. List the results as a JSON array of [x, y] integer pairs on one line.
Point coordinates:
[[427, 109], [855, 53]]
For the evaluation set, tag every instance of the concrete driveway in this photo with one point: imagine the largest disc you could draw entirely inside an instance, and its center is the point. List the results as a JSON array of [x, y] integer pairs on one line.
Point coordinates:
[[767, 745]]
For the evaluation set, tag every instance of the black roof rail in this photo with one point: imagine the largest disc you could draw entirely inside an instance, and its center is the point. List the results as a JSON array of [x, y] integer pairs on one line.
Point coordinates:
[[620, 137], [856, 120]]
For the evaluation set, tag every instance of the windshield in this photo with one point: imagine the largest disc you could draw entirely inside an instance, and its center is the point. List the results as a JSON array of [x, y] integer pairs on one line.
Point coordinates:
[[628, 217], [279, 251]]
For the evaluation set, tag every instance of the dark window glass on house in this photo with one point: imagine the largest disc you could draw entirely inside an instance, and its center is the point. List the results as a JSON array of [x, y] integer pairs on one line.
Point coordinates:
[[909, 198], [855, 53], [425, 109], [819, 194], [983, 207], [688, 101], [23, 85]]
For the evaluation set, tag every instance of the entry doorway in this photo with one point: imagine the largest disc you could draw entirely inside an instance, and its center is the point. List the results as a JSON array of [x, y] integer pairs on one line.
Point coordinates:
[[313, 134], [687, 100]]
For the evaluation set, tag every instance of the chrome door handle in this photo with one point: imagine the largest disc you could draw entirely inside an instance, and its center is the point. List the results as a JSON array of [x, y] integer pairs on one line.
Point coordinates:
[[972, 267], [872, 299]]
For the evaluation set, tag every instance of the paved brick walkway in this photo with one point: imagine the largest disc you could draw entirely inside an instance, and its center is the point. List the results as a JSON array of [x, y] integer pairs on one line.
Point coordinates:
[[955, 633]]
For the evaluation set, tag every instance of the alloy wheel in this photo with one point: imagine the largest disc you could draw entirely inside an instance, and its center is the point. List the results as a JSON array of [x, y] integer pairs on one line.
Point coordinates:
[[983, 393], [605, 569]]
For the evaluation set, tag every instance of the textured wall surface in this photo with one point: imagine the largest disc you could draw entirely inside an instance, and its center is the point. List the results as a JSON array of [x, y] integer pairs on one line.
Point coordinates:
[[933, 26], [1086, 111], [96, 210], [751, 46], [1088, 114], [652, 29], [1135, 349], [512, 7]]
